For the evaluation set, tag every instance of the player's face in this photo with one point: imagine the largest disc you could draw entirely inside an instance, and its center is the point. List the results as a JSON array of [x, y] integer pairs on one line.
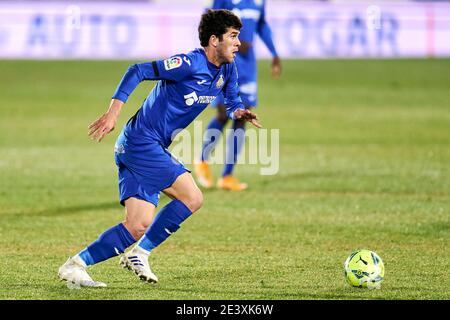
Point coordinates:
[[229, 46]]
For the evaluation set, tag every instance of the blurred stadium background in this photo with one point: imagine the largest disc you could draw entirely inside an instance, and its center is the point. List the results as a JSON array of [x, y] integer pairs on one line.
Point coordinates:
[[142, 29], [363, 108]]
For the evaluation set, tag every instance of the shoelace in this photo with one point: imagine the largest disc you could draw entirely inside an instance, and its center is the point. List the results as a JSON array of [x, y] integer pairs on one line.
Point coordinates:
[[136, 261]]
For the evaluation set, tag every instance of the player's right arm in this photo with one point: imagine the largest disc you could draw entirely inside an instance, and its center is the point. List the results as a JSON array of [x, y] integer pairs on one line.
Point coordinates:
[[173, 69], [107, 122]]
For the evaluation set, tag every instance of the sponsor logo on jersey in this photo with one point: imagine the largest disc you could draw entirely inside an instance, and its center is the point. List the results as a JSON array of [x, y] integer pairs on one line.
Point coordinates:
[[206, 99], [172, 63], [202, 81], [192, 98], [219, 82]]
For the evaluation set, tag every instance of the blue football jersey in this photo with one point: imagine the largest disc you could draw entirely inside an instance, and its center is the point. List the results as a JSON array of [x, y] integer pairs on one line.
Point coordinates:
[[187, 84]]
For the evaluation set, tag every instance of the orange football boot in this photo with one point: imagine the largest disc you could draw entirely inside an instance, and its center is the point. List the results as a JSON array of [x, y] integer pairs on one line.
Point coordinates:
[[204, 175], [231, 183]]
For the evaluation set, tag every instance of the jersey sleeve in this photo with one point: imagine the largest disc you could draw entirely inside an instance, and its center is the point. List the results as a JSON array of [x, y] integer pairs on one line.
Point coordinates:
[[265, 32], [174, 68], [232, 99]]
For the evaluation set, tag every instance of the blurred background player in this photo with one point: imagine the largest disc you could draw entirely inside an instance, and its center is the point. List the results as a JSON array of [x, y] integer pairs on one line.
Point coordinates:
[[252, 14], [145, 165]]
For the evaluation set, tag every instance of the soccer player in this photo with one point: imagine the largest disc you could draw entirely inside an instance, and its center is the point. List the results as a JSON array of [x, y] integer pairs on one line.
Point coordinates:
[[187, 84], [252, 14]]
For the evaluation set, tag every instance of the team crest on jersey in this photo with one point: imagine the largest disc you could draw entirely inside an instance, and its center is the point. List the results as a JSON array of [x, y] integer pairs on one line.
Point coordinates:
[[219, 82], [172, 63]]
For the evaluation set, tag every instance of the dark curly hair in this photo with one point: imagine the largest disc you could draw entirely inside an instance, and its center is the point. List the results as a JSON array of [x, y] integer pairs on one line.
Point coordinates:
[[216, 22]]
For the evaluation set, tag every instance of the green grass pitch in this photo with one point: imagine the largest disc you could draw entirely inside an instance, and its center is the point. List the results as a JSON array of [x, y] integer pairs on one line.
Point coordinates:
[[364, 163]]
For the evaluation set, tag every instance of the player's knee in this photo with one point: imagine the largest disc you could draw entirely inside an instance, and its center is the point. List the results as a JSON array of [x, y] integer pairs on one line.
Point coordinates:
[[194, 201], [137, 228], [140, 229]]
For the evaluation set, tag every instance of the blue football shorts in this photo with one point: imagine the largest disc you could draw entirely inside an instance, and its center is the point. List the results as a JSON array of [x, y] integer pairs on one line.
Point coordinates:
[[145, 171]]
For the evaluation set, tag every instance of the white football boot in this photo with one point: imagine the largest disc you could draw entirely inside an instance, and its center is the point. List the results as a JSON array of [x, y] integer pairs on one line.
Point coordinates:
[[74, 272], [137, 260]]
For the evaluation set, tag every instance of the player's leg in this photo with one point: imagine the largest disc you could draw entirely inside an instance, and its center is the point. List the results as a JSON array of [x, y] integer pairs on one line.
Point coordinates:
[[235, 142], [211, 137], [114, 241], [110, 243], [213, 132], [139, 215], [248, 92], [139, 211], [187, 198]]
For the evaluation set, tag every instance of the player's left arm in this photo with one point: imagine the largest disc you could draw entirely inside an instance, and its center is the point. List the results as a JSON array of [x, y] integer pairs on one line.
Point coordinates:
[[265, 33], [235, 109]]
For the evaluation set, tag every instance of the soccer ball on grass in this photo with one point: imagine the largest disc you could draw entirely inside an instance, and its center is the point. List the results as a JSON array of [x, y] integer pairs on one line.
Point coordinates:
[[364, 269]]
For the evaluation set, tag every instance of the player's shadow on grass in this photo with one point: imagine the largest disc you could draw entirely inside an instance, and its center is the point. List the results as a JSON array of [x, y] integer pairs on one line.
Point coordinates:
[[59, 211]]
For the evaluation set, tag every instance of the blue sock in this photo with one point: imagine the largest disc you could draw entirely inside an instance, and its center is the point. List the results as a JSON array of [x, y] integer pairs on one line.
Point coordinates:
[[112, 242], [166, 222], [235, 141], [212, 135]]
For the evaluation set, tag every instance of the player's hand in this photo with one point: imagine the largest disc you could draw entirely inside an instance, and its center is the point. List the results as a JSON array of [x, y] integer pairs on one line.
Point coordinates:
[[106, 123], [102, 126], [247, 115], [276, 67]]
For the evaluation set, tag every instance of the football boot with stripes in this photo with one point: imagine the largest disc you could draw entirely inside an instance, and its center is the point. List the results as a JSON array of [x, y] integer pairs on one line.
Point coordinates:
[[136, 260]]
